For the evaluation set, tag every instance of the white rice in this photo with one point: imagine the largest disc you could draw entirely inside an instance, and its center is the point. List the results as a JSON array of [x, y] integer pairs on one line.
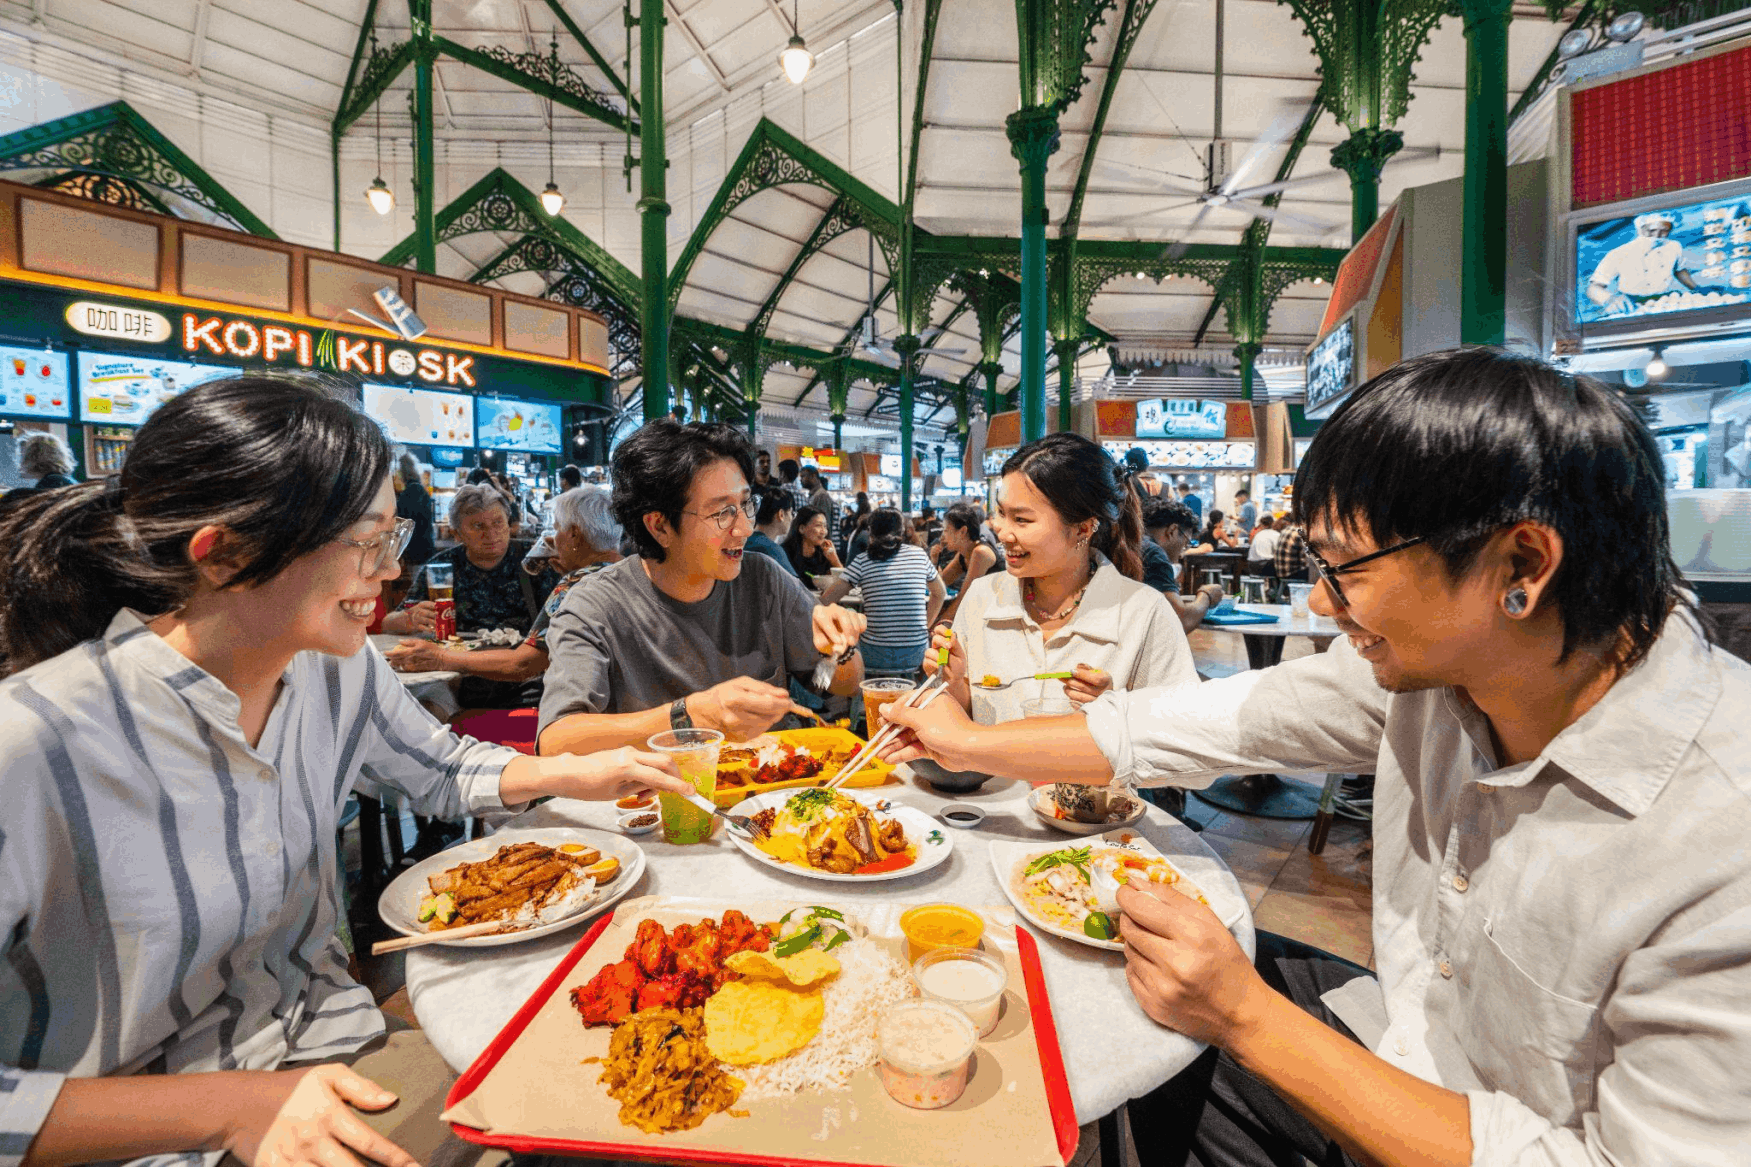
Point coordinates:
[[869, 981]]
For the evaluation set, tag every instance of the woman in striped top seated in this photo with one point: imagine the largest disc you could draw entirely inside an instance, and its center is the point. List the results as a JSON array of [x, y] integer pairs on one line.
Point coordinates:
[[191, 698], [901, 596]]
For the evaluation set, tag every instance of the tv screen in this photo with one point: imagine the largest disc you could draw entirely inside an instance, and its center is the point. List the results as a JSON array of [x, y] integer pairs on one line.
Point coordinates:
[[1181, 418], [530, 426], [118, 390], [421, 417], [33, 383], [1331, 366], [1676, 260]]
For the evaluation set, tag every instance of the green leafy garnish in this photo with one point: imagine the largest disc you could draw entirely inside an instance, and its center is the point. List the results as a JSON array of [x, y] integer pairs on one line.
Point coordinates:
[[1100, 926], [807, 804], [798, 942], [838, 939], [1077, 857]]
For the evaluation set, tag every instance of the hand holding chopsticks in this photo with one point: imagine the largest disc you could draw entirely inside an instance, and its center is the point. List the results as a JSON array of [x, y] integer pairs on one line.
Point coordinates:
[[917, 699]]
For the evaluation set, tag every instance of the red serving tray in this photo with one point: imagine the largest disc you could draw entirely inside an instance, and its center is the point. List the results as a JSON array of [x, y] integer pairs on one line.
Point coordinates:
[[1045, 1034]]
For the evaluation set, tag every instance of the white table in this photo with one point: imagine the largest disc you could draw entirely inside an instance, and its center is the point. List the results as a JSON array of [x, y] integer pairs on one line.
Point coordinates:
[[414, 681], [1112, 1051], [1268, 795]]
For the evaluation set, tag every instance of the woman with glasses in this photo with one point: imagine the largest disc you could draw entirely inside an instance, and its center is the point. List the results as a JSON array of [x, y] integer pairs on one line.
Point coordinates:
[[190, 698], [694, 629]]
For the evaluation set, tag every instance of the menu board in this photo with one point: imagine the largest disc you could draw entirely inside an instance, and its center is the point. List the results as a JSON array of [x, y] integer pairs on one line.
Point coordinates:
[[1677, 260], [1331, 366], [118, 390], [33, 383], [530, 426], [1181, 418], [421, 417]]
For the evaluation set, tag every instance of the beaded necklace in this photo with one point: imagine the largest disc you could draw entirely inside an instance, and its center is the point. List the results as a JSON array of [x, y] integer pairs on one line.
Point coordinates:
[[1027, 589]]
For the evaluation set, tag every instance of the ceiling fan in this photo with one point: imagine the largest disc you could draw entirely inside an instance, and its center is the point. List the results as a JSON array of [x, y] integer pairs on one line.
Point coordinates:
[[871, 343]]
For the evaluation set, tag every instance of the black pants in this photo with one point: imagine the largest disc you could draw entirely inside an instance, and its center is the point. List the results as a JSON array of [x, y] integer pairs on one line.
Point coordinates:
[[1216, 1114]]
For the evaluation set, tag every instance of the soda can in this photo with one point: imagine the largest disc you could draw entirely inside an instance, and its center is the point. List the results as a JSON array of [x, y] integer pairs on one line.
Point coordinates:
[[444, 620]]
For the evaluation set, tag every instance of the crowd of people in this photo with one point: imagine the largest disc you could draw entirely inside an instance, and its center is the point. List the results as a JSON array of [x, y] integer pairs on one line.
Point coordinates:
[[187, 697]]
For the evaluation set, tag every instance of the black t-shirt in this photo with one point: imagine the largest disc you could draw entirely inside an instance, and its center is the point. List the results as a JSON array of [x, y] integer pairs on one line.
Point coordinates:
[[487, 600], [809, 566], [1158, 570]]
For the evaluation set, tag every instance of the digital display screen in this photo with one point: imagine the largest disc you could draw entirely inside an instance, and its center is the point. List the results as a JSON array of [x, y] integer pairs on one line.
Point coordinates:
[[1677, 260], [117, 390], [33, 383], [1331, 366], [530, 426], [421, 417], [890, 465], [1181, 418]]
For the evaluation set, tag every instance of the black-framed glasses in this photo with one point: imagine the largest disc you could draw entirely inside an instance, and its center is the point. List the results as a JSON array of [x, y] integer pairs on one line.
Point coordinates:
[[1330, 574], [726, 518], [375, 554]]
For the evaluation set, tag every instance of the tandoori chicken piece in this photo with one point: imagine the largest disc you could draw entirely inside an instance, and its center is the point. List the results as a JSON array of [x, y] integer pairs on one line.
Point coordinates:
[[668, 969]]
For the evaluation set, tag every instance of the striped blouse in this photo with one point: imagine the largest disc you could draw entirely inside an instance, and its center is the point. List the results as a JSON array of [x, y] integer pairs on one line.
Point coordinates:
[[896, 596], [169, 894]]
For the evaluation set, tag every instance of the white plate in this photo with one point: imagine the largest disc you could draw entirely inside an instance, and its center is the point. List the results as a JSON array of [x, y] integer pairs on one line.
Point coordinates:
[[1039, 803], [399, 904], [1006, 857], [933, 841]]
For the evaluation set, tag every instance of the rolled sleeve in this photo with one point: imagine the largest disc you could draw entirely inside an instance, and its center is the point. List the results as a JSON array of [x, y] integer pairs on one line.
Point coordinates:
[[26, 1097], [1317, 713]]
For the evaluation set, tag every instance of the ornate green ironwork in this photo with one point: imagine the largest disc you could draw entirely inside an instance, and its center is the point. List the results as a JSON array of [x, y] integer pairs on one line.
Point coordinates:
[[839, 220], [382, 66], [115, 142], [542, 76], [577, 34], [572, 280], [105, 188], [1055, 38], [1368, 50]]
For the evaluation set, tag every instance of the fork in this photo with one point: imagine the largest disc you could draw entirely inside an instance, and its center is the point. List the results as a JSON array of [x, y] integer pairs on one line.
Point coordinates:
[[740, 822], [829, 665]]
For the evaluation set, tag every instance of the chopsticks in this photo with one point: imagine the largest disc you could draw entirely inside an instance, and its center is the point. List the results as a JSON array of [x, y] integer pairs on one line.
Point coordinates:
[[481, 929], [920, 697]]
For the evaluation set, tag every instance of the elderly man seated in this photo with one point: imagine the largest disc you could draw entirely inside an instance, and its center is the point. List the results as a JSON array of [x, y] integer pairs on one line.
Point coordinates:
[[586, 538], [491, 588]]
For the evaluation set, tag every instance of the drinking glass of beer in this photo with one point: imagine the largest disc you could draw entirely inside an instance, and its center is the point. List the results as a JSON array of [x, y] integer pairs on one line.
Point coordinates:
[[695, 753], [877, 693], [441, 590]]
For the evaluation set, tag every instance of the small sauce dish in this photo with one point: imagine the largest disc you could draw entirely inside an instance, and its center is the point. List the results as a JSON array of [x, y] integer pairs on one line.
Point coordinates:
[[640, 822], [964, 815], [970, 980]]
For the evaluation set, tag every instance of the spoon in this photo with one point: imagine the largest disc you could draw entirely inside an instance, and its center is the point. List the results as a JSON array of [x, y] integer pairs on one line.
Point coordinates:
[[990, 683]]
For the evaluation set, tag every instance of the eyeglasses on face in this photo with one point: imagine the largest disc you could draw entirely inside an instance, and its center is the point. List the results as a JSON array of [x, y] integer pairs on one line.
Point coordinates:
[[726, 518], [376, 554], [1330, 573]]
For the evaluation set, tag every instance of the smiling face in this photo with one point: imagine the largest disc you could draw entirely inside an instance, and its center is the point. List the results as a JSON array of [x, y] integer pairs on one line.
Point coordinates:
[[815, 530], [486, 534], [1037, 542], [956, 539], [698, 547], [1418, 627]]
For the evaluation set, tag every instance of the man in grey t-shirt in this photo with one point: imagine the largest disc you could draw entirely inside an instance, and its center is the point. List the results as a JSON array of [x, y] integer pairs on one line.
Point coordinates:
[[692, 631]]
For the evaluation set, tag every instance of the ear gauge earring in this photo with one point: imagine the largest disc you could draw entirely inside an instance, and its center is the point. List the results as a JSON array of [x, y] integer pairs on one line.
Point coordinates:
[[1514, 603]]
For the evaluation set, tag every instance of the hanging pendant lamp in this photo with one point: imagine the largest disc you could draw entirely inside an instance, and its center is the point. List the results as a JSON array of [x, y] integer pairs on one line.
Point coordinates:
[[796, 60], [378, 194], [552, 201]]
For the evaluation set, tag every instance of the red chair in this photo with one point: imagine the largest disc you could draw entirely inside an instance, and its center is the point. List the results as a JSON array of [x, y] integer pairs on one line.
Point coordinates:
[[505, 727]]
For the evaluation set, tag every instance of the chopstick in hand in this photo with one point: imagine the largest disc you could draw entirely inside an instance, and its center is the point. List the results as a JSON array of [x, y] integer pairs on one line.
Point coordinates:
[[919, 698]]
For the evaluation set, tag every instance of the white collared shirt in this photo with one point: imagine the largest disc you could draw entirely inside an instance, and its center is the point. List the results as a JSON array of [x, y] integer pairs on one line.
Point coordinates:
[[168, 893], [1567, 940], [1121, 626]]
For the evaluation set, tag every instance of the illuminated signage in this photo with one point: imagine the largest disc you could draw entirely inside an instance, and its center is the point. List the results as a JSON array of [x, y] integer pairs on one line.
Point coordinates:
[[279, 344], [529, 426], [33, 383], [117, 322], [1181, 418], [421, 417], [124, 390]]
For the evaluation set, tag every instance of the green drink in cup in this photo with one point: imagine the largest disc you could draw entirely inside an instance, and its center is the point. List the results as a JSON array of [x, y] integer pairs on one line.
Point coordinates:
[[695, 753]]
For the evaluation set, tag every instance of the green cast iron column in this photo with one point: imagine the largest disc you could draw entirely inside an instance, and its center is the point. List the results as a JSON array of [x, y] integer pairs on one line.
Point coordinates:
[[1484, 254], [838, 420], [653, 205], [1363, 156], [1066, 350], [424, 204], [907, 348], [1247, 352], [991, 369], [1033, 138]]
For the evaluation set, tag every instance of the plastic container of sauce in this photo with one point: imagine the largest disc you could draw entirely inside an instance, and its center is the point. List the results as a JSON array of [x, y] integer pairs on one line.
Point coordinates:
[[932, 926], [926, 1053], [970, 980]]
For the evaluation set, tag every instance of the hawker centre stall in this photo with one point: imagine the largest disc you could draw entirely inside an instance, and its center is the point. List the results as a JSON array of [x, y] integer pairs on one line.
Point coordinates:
[[111, 312]]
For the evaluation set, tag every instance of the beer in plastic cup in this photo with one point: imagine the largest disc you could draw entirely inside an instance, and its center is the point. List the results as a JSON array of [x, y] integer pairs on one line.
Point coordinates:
[[695, 752], [877, 693]]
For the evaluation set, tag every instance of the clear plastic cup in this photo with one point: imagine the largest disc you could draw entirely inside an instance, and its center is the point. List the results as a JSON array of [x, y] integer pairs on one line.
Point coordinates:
[[440, 581], [1298, 593], [695, 752], [970, 980], [878, 693], [925, 1049], [1047, 707]]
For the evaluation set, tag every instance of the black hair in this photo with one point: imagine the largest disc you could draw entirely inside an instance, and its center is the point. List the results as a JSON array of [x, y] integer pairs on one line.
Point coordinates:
[[886, 532], [964, 517], [282, 463], [654, 469], [1243, 492], [1455, 446], [571, 476], [774, 501], [812, 472], [1082, 483], [793, 542], [1213, 519], [1137, 459], [787, 470], [479, 475], [1159, 513], [863, 507]]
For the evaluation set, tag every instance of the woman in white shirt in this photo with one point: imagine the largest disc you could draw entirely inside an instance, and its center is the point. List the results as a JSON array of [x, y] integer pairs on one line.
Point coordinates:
[[190, 699], [1071, 597]]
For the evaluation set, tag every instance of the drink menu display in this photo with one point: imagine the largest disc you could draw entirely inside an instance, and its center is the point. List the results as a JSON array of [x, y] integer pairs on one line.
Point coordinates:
[[421, 417], [119, 390], [504, 424], [33, 383]]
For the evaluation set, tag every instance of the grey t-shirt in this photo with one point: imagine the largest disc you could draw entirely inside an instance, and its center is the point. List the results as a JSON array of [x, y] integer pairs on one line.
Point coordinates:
[[621, 646]]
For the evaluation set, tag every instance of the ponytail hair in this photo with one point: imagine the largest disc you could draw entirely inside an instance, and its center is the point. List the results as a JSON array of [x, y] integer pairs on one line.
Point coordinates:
[[282, 464], [1082, 483], [886, 533]]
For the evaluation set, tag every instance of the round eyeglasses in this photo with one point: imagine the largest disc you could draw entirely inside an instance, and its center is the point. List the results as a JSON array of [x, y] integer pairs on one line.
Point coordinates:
[[726, 518], [376, 554]]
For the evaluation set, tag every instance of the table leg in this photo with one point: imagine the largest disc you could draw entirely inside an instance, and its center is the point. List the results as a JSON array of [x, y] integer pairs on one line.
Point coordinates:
[[372, 879], [1112, 1145], [1265, 795], [1263, 651], [1322, 820]]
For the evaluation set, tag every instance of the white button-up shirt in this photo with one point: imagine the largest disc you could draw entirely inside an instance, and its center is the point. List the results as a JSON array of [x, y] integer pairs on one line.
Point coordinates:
[[169, 894], [1121, 626], [1567, 940]]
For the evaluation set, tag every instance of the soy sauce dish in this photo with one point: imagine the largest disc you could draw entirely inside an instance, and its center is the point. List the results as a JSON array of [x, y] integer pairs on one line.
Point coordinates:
[[964, 815]]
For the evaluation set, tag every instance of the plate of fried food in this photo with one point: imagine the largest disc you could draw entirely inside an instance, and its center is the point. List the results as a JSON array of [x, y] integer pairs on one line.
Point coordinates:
[[789, 759], [534, 881], [841, 836]]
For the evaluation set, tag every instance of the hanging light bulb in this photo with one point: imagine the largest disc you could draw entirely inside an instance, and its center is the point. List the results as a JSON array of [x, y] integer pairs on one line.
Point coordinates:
[[1657, 367], [796, 60], [551, 200], [381, 198]]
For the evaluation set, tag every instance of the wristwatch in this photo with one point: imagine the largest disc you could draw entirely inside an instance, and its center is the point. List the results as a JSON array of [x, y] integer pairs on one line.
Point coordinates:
[[678, 718]]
